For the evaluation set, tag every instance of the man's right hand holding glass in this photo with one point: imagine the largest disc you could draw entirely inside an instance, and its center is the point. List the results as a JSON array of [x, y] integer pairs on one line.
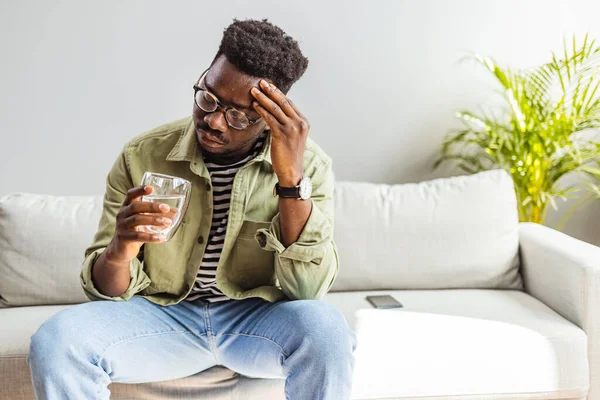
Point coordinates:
[[111, 271], [133, 217]]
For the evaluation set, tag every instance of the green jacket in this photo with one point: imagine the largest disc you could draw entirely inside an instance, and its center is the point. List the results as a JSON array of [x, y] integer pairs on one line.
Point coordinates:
[[254, 262]]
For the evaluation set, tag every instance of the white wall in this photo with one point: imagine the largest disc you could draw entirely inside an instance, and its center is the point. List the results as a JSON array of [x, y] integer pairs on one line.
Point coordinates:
[[79, 78]]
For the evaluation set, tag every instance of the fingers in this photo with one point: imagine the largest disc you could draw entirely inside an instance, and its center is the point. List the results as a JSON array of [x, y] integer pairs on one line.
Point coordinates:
[[279, 98], [136, 228], [269, 105], [135, 193], [136, 216], [132, 198], [137, 236], [267, 116], [138, 207], [171, 213], [275, 101], [157, 220], [277, 109]]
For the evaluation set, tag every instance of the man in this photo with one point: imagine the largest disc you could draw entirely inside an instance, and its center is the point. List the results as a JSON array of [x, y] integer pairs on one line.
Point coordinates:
[[239, 282]]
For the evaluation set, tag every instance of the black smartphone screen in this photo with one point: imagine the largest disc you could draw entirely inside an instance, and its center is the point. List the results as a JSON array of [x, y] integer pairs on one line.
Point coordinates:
[[386, 301]]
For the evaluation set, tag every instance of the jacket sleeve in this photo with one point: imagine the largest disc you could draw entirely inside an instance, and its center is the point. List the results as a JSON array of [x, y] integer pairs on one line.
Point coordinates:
[[118, 182], [307, 268]]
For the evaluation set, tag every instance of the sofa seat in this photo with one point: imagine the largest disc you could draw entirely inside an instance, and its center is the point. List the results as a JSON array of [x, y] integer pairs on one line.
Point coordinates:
[[464, 344], [450, 344]]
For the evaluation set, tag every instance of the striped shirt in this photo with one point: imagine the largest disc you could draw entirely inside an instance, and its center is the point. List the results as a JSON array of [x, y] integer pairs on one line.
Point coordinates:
[[221, 177]]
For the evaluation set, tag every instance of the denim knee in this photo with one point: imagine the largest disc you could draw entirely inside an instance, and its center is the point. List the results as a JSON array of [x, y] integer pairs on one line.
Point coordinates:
[[50, 341], [324, 329]]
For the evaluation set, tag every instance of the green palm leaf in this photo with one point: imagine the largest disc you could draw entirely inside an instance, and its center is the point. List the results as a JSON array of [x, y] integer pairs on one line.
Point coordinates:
[[538, 138]]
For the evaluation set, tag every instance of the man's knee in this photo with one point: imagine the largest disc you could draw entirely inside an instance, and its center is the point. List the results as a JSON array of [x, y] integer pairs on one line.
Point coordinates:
[[53, 339], [324, 329]]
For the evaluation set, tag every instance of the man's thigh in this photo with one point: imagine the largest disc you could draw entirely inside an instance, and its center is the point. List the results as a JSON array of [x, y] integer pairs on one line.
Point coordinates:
[[133, 341]]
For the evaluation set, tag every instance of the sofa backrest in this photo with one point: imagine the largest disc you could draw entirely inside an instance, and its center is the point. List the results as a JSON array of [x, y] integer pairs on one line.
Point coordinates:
[[458, 232]]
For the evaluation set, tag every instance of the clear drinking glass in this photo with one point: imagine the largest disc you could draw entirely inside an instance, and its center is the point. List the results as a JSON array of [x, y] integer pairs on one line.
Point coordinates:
[[171, 190]]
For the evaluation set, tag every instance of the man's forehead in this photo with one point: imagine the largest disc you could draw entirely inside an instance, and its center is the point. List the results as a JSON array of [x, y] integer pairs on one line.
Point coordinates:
[[224, 73], [230, 82], [230, 85]]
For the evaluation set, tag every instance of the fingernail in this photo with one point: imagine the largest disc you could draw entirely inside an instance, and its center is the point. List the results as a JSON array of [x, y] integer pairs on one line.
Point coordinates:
[[167, 221], [254, 90], [264, 83], [255, 104], [164, 207]]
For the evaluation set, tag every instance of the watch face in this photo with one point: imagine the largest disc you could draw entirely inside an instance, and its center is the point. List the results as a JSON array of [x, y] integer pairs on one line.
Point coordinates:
[[305, 188]]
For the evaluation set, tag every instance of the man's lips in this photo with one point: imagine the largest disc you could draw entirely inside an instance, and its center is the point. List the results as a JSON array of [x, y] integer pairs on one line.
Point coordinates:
[[205, 136]]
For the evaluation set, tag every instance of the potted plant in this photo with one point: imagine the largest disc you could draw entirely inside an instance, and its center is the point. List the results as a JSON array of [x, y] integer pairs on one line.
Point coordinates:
[[543, 132]]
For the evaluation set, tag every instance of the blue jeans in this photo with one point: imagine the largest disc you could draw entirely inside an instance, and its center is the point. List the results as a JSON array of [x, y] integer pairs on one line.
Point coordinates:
[[79, 351]]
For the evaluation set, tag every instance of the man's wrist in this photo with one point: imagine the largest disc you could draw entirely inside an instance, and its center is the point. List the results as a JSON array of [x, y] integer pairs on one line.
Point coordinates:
[[290, 181], [111, 257]]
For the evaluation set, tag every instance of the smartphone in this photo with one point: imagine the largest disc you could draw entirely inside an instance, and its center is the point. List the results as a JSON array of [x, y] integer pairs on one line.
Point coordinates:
[[386, 301]]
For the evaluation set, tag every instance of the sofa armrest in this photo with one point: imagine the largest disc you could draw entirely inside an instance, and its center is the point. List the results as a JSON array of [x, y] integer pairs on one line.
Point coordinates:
[[564, 273]]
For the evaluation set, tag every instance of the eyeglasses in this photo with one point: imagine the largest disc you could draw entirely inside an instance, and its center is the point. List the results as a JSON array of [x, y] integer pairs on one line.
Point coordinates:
[[209, 103]]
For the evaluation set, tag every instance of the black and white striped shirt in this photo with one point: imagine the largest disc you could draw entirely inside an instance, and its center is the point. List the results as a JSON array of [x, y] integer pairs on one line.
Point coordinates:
[[221, 177]]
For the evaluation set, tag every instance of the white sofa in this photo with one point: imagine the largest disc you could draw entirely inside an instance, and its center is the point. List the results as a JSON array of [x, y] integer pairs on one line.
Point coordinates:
[[493, 308]]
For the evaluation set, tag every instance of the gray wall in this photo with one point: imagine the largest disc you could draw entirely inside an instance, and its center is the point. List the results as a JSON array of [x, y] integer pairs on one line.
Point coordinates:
[[79, 78]]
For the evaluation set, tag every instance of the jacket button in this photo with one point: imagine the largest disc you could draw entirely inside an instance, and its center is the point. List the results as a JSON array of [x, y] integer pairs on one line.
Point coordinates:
[[208, 187], [200, 239]]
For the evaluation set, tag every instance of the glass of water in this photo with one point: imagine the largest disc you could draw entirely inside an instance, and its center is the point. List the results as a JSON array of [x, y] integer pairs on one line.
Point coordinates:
[[171, 190]]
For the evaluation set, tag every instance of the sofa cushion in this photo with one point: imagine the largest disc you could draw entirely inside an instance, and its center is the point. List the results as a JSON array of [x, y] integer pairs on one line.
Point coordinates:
[[459, 232], [42, 243], [455, 344], [458, 344]]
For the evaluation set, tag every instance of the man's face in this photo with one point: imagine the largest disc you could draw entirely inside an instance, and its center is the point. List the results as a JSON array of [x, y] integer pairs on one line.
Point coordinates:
[[232, 88]]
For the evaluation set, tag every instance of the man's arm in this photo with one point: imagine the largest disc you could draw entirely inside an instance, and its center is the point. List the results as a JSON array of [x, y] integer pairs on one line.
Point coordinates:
[[293, 214], [103, 279], [301, 234], [111, 278], [306, 267]]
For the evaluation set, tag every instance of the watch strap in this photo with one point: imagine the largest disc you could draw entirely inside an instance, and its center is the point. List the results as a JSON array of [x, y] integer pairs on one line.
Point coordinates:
[[287, 192]]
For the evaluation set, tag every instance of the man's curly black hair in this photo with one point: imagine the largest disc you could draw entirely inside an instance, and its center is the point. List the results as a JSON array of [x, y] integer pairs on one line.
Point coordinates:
[[263, 50]]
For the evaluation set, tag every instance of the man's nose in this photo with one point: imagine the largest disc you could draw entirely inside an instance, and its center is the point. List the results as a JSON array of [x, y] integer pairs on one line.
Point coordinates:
[[216, 120]]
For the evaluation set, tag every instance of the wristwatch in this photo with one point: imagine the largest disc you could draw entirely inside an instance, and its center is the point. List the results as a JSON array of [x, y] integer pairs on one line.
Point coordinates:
[[300, 192]]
